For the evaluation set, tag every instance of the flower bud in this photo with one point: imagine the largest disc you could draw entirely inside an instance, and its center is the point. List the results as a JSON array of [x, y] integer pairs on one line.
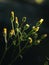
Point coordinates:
[[38, 41], [26, 26], [43, 36], [5, 30], [12, 15], [35, 28], [12, 32], [24, 19], [16, 20], [41, 21], [30, 40]]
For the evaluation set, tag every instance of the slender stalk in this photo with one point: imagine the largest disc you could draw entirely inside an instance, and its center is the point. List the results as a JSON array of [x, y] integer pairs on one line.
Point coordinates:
[[18, 54], [5, 37], [12, 26]]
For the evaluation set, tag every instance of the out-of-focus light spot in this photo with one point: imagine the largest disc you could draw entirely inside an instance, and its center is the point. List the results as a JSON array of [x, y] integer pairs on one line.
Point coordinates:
[[39, 1]]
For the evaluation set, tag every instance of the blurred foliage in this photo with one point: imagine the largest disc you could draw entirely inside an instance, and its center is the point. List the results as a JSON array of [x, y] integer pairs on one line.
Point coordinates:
[[46, 63]]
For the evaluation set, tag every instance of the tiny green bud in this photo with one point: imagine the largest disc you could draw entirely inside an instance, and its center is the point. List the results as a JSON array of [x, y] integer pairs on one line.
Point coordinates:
[[24, 19], [26, 26]]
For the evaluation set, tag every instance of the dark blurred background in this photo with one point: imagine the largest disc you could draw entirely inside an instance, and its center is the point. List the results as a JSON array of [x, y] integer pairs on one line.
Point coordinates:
[[34, 12]]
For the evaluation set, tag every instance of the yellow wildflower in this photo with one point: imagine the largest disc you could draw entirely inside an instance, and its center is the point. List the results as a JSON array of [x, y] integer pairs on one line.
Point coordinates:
[[12, 32], [30, 40], [41, 21], [5, 30]]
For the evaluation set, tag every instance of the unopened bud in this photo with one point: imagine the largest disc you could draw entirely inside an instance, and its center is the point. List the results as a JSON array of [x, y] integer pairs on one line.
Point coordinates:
[[16, 20], [41, 21], [12, 32], [30, 40], [24, 19], [5, 30]]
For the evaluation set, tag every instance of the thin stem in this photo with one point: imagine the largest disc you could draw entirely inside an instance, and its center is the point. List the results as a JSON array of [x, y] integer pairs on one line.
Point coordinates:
[[18, 55], [3, 56], [14, 59], [5, 37], [12, 26]]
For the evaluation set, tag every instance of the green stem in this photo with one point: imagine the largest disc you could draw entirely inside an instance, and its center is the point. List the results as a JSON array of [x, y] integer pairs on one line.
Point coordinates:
[[18, 54], [3, 56], [5, 37], [12, 26]]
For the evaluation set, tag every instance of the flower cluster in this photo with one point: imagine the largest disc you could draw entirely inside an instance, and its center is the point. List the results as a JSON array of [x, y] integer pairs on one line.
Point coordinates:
[[20, 38], [17, 30]]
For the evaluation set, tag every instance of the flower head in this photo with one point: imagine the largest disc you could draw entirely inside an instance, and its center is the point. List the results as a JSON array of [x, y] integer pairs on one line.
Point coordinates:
[[41, 21], [30, 40], [5, 30]]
